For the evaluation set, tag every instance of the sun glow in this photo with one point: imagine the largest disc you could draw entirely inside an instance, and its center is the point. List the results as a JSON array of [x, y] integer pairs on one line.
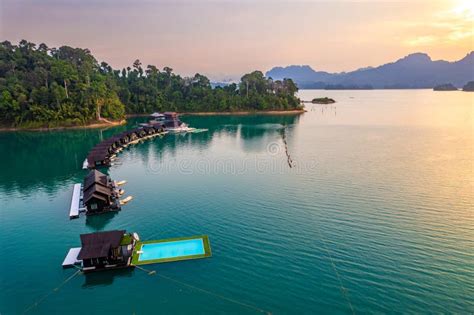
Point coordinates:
[[464, 9]]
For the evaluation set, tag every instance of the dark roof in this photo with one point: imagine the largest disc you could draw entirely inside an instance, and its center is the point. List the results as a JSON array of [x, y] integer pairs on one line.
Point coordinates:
[[104, 148], [97, 156], [97, 191], [103, 145], [156, 124], [149, 128], [95, 195], [135, 130], [94, 176], [172, 123], [96, 245]]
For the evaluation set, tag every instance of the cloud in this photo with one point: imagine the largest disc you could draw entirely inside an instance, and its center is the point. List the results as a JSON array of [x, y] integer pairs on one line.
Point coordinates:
[[448, 27], [422, 40]]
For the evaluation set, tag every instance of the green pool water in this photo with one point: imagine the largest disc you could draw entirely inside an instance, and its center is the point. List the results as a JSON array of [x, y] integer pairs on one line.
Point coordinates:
[[374, 216]]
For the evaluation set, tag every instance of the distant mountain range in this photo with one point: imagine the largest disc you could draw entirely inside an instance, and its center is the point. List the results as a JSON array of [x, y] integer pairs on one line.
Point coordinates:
[[411, 72]]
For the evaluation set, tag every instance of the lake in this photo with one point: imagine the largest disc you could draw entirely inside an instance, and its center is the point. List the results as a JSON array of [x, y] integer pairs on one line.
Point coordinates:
[[368, 208]]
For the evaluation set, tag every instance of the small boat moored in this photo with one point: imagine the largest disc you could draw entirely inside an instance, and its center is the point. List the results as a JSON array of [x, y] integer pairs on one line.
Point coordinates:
[[126, 200]]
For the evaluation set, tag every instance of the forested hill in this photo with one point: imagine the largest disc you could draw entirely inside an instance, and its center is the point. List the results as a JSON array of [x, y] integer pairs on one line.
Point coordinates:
[[42, 86]]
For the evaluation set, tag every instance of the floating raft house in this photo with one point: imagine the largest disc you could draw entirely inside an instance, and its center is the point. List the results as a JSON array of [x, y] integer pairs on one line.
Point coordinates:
[[102, 251], [104, 153], [118, 249], [98, 194]]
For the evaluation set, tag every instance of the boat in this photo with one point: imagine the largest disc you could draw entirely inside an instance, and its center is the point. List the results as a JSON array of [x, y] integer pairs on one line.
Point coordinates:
[[198, 130], [180, 129], [170, 121], [157, 116], [125, 200]]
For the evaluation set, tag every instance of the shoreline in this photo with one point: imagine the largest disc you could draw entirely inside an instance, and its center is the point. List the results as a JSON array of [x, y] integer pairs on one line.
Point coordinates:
[[238, 113], [89, 126], [124, 121], [244, 113]]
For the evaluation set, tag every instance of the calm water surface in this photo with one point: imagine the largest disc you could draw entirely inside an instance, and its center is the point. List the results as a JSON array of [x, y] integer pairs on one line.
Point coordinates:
[[375, 216]]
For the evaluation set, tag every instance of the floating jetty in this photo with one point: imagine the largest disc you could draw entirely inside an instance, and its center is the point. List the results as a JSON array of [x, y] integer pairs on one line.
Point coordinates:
[[118, 249], [76, 202]]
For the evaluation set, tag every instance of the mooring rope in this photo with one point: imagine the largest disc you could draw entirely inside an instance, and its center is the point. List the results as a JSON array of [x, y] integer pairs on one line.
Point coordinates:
[[56, 289], [220, 296], [343, 289]]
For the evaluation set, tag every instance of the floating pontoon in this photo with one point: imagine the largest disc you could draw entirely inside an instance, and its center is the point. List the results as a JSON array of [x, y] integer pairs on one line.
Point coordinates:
[[71, 258], [76, 202]]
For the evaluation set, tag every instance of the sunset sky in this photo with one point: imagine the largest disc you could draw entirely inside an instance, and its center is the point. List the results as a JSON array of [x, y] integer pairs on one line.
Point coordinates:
[[223, 39]]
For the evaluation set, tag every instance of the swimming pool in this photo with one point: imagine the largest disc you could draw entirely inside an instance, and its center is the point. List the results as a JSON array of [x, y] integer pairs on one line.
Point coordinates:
[[172, 250]]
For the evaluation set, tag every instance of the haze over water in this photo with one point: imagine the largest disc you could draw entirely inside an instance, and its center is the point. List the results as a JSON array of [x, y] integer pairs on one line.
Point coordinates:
[[376, 214]]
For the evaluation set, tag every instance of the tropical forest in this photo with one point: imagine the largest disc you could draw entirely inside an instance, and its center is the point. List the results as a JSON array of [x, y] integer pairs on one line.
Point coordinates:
[[42, 86]]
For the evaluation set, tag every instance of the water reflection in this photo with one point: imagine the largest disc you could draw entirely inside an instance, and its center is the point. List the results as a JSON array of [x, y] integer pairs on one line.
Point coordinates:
[[99, 222], [105, 278], [51, 159]]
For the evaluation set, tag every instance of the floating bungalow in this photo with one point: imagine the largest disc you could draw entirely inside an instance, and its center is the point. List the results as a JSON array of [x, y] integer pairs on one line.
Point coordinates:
[[104, 153], [118, 249], [100, 193], [97, 194], [103, 251]]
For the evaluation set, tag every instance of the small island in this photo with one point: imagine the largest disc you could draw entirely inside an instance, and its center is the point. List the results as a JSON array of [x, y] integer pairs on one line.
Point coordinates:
[[469, 87], [445, 87], [323, 100]]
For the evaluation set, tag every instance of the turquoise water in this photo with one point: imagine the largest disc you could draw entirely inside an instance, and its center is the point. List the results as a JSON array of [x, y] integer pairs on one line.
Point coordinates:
[[171, 249], [375, 216]]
